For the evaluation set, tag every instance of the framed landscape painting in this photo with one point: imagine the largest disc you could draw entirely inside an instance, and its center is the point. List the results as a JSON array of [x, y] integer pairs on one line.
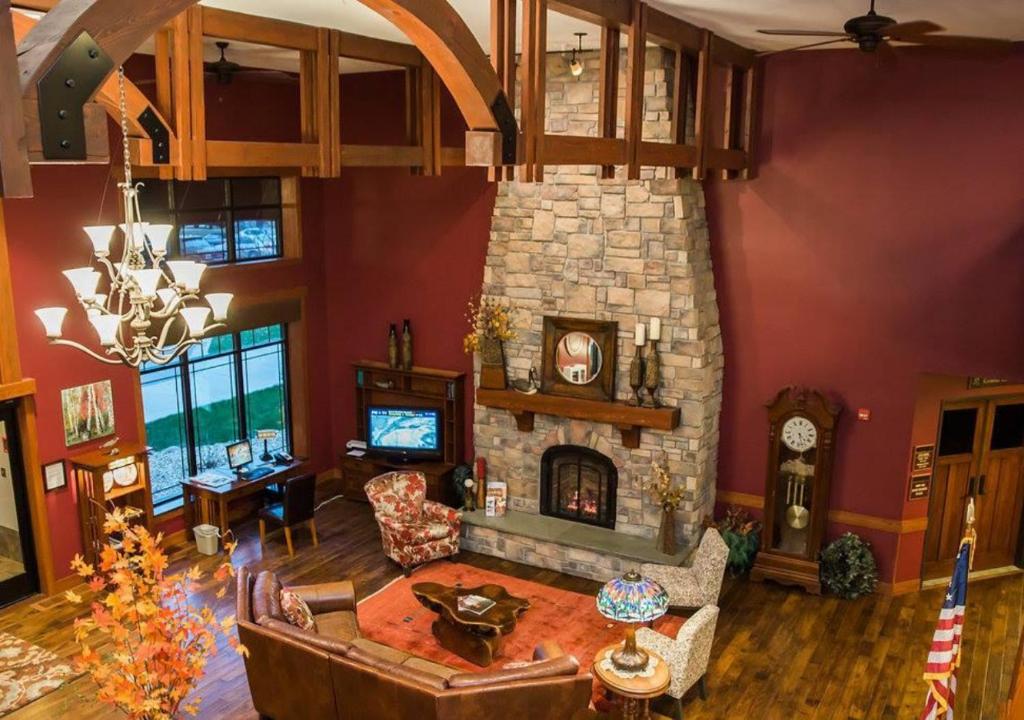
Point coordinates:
[[88, 412]]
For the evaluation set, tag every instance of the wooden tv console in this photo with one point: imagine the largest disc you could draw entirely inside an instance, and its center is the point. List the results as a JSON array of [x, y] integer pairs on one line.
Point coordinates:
[[442, 390]]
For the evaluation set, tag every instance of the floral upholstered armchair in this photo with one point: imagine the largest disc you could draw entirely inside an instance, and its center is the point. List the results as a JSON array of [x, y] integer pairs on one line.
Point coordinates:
[[687, 655], [414, 530], [699, 584]]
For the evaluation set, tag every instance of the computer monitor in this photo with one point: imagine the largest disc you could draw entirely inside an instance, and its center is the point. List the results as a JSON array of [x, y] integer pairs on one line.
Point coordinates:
[[239, 454]]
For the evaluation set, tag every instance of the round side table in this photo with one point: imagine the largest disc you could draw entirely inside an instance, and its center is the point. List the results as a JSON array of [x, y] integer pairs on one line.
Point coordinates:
[[636, 692]]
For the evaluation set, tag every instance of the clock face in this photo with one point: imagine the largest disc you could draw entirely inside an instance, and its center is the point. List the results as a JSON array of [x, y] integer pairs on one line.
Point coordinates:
[[799, 434]]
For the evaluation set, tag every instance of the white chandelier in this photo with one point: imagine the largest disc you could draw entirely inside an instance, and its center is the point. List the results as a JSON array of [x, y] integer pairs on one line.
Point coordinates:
[[145, 289]]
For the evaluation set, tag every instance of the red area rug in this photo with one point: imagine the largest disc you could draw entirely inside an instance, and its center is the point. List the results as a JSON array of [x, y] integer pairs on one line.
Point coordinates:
[[394, 617]]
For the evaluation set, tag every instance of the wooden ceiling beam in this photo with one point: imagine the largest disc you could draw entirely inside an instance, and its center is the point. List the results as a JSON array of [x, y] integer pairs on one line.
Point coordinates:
[[15, 174], [609, 13], [241, 27], [670, 31], [388, 52]]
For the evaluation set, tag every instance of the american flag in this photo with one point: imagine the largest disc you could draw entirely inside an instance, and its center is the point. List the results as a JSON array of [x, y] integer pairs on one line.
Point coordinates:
[[944, 656]]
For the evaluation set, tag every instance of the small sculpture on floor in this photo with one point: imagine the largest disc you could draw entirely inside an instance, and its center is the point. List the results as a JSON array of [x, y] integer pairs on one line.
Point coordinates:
[[465, 491]]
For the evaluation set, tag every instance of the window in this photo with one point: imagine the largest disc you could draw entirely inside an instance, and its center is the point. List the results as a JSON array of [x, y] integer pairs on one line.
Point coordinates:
[[218, 221], [226, 388]]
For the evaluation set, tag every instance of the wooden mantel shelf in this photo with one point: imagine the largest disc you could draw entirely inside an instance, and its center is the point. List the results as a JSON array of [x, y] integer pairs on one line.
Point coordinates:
[[628, 419]]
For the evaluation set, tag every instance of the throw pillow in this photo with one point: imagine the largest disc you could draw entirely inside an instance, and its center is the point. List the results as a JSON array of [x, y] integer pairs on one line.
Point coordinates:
[[297, 611]]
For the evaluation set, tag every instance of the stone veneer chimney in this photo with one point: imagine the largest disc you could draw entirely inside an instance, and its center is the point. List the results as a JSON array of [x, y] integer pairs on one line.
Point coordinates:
[[579, 246]]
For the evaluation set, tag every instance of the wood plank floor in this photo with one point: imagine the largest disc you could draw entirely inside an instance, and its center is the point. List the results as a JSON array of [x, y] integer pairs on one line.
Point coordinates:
[[778, 653]]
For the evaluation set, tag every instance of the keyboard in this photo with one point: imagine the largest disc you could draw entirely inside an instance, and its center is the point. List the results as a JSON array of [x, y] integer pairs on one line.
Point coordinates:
[[258, 472]]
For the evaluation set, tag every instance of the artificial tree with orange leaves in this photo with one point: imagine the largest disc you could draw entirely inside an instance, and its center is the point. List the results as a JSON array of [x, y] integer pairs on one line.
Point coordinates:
[[142, 643]]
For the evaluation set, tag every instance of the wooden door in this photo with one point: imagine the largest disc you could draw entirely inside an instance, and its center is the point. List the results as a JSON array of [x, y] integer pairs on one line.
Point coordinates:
[[961, 436], [997, 492], [980, 455]]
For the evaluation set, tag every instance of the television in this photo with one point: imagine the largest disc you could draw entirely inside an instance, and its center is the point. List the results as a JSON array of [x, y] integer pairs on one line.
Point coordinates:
[[404, 432]]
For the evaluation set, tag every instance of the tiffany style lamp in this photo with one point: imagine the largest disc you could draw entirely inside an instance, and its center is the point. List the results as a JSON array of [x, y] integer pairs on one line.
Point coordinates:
[[631, 599]]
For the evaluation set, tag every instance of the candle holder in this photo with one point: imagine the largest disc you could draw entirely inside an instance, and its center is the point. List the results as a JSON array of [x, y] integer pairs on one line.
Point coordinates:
[[636, 377], [652, 375]]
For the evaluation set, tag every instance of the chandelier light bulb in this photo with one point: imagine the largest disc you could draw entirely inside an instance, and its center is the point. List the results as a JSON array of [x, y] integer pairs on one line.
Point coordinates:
[[187, 273], [100, 235], [53, 320], [106, 327], [167, 296], [84, 280], [219, 304], [195, 318], [147, 280], [576, 67], [158, 236], [137, 233]]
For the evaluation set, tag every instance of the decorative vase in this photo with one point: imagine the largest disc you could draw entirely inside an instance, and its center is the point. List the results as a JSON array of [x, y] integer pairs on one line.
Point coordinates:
[[492, 364], [636, 378], [392, 347], [667, 532], [406, 346], [652, 374]]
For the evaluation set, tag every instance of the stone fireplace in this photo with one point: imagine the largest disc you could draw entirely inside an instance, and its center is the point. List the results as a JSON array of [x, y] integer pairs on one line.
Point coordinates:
[[580, 246], [578, 484]]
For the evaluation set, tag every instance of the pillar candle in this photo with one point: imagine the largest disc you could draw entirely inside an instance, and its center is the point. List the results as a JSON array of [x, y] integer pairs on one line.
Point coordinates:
[[641, 332], [655, 329]]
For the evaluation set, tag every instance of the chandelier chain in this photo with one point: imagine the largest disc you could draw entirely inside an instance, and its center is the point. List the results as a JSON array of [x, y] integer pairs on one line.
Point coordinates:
[[123, 107]]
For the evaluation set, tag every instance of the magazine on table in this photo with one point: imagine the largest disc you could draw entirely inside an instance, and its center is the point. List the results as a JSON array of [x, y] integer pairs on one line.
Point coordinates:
[[475, 604]]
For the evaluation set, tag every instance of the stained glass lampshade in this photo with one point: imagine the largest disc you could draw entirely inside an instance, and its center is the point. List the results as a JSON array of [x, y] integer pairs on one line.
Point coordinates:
[[631, 599]]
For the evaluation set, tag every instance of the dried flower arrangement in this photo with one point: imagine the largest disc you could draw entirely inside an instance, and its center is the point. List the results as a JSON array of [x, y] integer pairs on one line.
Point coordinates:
[[489, 319], [663, 490], [158, 643]]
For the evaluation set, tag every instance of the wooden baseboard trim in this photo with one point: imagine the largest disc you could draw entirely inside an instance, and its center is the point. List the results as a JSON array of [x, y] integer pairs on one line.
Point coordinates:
[[903, 587], [842, 517], [66, 583]]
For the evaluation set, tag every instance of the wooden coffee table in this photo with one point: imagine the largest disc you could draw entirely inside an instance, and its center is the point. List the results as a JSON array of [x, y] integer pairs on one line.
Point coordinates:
[[476, 638]]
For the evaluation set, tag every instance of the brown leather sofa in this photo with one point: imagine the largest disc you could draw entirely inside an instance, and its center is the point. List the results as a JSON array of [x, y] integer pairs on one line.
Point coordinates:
[[334, 672]]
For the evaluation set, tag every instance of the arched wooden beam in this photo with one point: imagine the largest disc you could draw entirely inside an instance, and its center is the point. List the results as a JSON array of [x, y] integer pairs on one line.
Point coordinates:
[[137, 103], [119, 27]]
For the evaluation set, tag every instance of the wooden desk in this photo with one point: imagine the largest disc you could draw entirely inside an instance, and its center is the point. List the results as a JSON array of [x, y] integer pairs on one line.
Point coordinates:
[[635, 692], [205, 504]]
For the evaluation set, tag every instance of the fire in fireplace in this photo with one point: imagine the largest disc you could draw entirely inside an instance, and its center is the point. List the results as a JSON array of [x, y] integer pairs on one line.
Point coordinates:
[[577, 483]]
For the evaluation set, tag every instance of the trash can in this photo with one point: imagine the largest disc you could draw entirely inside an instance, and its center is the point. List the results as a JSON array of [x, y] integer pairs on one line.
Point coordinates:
[[207, 539]]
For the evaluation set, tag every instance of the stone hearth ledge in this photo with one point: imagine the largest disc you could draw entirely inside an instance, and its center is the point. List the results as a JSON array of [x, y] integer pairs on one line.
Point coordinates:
[[573, 548]]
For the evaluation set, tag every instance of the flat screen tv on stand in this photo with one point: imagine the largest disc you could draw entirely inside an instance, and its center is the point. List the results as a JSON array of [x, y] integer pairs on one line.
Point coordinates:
[[404, 434]]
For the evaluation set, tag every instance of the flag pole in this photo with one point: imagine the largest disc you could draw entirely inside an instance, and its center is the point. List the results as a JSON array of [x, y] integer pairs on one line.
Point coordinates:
[[970, 534]]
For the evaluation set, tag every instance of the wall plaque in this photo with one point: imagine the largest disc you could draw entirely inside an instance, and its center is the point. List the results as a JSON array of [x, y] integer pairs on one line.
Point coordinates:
[[973, 383], [920, 486], [924, 456]]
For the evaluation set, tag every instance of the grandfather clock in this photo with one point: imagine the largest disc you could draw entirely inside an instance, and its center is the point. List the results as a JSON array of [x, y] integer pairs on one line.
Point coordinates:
[[801, 445]]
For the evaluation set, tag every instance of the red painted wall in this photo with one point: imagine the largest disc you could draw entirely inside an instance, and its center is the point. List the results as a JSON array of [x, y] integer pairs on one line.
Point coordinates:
[[399, 246], [883, 237]]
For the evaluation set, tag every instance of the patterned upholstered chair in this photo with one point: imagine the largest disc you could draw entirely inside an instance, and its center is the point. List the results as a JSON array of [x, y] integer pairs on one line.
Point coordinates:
[[699, 584], [687, 654], [414, 530]]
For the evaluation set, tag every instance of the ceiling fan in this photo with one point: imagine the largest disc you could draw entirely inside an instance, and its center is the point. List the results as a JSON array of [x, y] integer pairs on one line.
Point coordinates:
[[225, 70], [873, 31]]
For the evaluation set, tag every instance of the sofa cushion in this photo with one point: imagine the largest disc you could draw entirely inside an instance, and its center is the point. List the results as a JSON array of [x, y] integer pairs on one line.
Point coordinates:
[[382, 651], [334, 646], [340, 625], [428, 666], [296, 611], [266, 597], [395, 670], [564, 665]]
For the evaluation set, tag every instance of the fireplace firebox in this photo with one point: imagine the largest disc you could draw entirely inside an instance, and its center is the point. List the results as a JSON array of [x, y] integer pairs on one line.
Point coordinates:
[[577, 483]]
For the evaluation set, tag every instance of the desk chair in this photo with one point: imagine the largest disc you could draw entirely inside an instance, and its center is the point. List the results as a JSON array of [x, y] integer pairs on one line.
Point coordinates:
[[297, 507]]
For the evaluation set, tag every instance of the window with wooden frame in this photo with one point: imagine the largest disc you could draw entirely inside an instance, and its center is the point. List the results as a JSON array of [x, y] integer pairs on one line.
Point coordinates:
[[227, 388], [226, 221]]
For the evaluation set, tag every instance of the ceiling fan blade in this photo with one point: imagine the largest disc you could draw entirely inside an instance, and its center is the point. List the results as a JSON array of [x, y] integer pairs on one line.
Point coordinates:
[[914, 27], [801, 47], [963, 42], [805, 33]]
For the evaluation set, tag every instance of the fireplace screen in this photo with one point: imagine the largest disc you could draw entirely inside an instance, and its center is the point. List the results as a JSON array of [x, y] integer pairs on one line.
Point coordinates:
[[578, 483]]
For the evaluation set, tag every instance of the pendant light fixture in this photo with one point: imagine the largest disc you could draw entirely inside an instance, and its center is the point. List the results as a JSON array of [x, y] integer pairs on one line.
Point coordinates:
[[576, 63], [147, 310]]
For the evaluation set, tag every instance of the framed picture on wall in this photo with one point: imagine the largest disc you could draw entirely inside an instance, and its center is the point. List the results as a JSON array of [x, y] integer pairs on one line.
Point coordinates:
[[88, 412], [54, 476], [579, 358]]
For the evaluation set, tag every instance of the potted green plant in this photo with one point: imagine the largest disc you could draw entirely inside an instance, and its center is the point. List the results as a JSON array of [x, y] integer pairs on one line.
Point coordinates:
[[742, 533], [848, 568]]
